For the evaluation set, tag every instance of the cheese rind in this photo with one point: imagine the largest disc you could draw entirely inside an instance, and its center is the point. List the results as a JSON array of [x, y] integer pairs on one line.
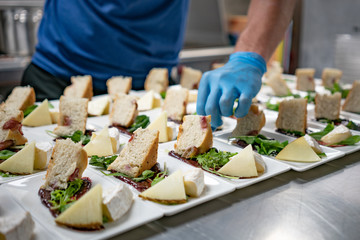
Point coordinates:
[[298, 151], [39, 117], [338, 134], [117, 201], [22, 162], [194, 182], [313, 143], [17, 226], [100, 144]]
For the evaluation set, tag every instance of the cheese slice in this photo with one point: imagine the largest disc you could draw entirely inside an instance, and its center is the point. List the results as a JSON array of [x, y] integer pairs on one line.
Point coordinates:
[[194, 182], [42, 155], [299, 151], [170, 190], [100, 144], [85, 212], [241, 165], [117, 201], [160, 124], [22, 162], [313, 143], [54, 116], [148, 101], [39, 117], [17, 226], [338, 134], [99, 106]]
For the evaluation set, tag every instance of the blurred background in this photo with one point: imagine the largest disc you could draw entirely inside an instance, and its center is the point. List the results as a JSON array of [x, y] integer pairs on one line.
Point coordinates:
[[323, 33]]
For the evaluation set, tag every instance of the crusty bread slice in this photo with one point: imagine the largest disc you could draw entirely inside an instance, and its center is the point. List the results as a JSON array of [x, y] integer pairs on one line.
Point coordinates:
[[195, 136], [305, 79], [190, 78], [139, 154], [292, 115], [68, 160], [277, 84], [118, 84], [124, 110], [330, 76], [157, 80], [81, 87], [175, 103], [273, 67], [352, 102], [73, 116], [327, 106], [20, 98], [251, 124], [10, 127]]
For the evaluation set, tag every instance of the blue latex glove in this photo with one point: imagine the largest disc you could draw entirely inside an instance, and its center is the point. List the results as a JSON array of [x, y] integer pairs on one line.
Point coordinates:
[[239, 78]]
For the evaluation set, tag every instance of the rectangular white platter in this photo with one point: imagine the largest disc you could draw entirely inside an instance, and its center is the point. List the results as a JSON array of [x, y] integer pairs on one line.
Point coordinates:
[[331, 154], [214, 187], [25, 191], [273, 168]]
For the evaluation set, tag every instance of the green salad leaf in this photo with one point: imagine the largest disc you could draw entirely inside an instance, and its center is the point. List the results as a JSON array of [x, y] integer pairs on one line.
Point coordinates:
[[50, 105], [102, 162], [318, 135], [163, 95], [160, 176], [2, 174], [28, 110], [141, 121], [271, 106], [62, 199], [5, 154], [145, 175], [337, 88], [310, 97], [78, 136], [350, 140]]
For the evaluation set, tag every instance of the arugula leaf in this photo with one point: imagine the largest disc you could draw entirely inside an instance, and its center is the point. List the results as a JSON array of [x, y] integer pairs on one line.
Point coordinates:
[[28, 110], [103, 162], [50, 105], [310, 97], [141, 121], [160, 176], [353, 126], [350, 140], [2, 174], [274, 107], [163, 95], [105, 219], [291, 132], [5, 154], [214, 159], [61, 199], [322, 155], [318, 135], [144, 175], [337, 88], [78, 136], [116, 174]]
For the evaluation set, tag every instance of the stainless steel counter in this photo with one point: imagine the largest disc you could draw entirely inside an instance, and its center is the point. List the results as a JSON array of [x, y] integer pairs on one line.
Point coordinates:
[[322, 203]]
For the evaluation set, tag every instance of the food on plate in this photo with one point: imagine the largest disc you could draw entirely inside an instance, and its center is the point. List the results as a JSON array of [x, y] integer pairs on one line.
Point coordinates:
[[190, 78], [99, 106], [116, 201], [327, 106], [157, 80], [292, 115], [19, 226], [10, 128], [194, 182], [192, 96], [149, 101], [42, 155], [313, 144], [101, 144], [175, 103], [81, 87], [330, 76], [352, 102], [160, 124], [251, 124], [338, 134], [118, 84], [277, 84], [22, 162], [195, 136], [40, 116], [54, 117], [19, 99], [124, 111], [305, 79], [298, 151]]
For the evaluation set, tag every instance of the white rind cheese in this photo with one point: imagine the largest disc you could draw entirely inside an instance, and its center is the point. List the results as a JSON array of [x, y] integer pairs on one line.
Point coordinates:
[[117, 201], [338, 134], [194, 182], [313, 143], [17, 227]]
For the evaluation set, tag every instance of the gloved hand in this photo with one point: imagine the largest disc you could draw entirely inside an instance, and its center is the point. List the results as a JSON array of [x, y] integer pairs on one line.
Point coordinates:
[[239, 78]]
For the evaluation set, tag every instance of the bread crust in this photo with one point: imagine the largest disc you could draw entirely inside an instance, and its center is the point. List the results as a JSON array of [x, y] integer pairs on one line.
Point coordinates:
[[29, 100], [131, 120], [255, 117], [350, 104], [151, 157], [15, 135], [282, 113], [149, 81]]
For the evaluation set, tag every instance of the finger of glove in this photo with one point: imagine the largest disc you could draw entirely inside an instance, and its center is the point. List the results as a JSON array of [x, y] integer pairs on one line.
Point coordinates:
[[212, 108], [203, 93], [243, 106], [227, 101]]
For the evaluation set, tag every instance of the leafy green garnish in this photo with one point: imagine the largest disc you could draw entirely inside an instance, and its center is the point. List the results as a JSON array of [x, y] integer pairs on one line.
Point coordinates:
[[353, 126], [62, 199], [160, 176], [274, 107], [78, 136], [50, 105], [141, 121], [103, 162], [5, 154], [310, 97], [105, 219], [28, 110], [350, 140], [338, 88], [2, 174], [163, 95], [322, 155], [318, 135], [145, 175]]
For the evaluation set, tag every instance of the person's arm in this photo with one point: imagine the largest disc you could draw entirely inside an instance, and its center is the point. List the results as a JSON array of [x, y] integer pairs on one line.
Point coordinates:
[[241, 76]]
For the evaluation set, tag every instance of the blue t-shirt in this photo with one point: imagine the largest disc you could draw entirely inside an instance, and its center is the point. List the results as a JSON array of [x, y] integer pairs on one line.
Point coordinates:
[[110, 38]]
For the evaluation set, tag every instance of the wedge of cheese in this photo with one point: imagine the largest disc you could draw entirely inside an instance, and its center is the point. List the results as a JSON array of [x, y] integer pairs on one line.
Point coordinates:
[[85, 212], [338, 134], [170, 190], [117, 201], [17, 226], [39, 117], [148, 101], [22, 162], [42, 155], [99, 106], [194, 182], [54, 116], [160, 124], [100, 144], [241, 165], [313, 143], [298, 151]]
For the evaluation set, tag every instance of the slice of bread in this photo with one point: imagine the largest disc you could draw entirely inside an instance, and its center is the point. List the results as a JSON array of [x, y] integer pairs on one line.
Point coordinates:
[[73, 116], [20, 98], [277, 84], [139, 154], [327, 106], [157, 80], [274, 67], [330, 76], [292, 115], [81, 87], [195, 136], [352, 102], [124, 110], [68, 161], [175, 103], [190, 78], [251, 124], [118, 84], [10, 127], [305, 79]]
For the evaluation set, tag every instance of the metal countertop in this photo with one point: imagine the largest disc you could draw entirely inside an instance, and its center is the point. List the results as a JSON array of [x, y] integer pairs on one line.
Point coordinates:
[[321, 203]]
